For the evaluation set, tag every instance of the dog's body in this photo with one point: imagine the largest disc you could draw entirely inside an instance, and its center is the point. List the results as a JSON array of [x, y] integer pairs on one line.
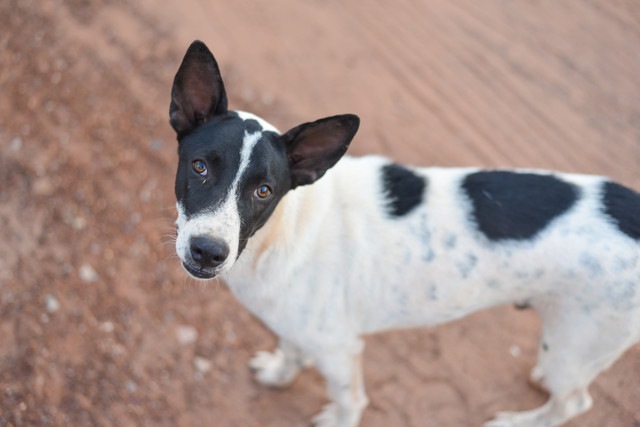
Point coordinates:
[[374, 245]]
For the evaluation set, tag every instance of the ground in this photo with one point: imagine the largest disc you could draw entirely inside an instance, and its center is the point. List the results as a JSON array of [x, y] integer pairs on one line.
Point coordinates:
[[99, 326]]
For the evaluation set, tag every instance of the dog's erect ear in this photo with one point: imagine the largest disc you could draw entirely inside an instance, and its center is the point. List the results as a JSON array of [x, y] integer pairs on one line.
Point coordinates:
[[198, 93], [313, 148]]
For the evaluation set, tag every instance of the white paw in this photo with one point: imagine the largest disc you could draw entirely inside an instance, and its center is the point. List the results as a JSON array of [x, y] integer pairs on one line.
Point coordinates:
[[519, 419], [332, 415], [552, 414], [499, 421], [328, 417], [272, 369]]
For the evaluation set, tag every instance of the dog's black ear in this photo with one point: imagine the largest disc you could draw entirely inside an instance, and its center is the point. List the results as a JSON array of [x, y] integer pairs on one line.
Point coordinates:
[[198, 93], [313, 148]]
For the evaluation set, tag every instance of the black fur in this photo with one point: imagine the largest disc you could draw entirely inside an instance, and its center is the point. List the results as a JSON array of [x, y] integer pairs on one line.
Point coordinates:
[[516, 206], [213, 143], [313, 148], [197, 94], [622, 205], [217, 144], [403, 188]]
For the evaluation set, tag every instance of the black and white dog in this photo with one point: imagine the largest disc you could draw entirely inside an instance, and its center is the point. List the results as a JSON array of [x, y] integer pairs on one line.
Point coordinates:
[[374, 245]]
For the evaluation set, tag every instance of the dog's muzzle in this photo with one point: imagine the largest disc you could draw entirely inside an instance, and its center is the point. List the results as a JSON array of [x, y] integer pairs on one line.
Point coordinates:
[[206, 255]]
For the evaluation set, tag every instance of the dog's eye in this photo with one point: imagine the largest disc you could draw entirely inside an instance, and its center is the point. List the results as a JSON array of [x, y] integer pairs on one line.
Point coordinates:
[[263, 192], [200, 167]]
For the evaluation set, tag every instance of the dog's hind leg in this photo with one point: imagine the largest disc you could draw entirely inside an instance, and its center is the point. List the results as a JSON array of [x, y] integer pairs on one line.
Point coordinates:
[[578, 342], [280, 367], [343, 373]]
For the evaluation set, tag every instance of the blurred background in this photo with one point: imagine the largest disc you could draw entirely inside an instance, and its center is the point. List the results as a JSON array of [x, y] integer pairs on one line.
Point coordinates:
[[99, 325]]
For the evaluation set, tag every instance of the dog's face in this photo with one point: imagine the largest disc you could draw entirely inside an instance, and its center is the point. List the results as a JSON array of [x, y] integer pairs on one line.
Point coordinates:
[[234, 167], [232, 172]]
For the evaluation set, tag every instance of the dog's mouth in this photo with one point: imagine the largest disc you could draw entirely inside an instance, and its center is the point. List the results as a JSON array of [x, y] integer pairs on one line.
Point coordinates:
[[198, 273]]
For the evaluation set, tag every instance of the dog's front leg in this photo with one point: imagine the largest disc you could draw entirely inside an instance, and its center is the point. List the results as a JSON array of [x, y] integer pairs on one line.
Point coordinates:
[[342, 370], [280, 367]]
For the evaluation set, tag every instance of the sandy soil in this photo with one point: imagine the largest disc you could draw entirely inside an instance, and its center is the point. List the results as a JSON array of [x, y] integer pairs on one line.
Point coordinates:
[[99, 326]]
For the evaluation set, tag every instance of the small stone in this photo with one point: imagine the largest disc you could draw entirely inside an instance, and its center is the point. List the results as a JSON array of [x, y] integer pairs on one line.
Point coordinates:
[[201, 364], [157, 144], [515, 350], [267, 99], [130, 386], [87, 273], [16, 144], [79, 223], [106, 327], [248, 95], [52, 304], [117, 350], [186, 334], [42, 186]]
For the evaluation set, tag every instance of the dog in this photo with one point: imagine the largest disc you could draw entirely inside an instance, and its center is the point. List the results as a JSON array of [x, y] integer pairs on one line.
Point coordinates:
[[325, 248]]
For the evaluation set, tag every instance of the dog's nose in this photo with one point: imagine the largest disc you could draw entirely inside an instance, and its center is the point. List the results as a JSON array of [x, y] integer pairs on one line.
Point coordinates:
[[208, 252]]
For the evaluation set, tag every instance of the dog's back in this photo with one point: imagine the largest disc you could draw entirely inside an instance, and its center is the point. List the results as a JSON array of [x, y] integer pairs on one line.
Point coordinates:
[[415, 237], [375, 245]]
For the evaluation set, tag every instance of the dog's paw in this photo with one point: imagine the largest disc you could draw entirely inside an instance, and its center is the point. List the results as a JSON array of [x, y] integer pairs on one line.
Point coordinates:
[[328, 417], [517, 419], [332, 416], [498, 422], [272, 368]]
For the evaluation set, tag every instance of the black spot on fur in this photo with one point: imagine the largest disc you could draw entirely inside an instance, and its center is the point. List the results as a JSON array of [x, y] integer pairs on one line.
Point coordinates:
[[516, 206], [623, 207], [450, 241], [466, 265], [403, 188]]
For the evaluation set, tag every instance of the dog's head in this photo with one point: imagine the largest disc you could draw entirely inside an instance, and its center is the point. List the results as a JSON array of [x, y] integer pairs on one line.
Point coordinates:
[[234, 167]]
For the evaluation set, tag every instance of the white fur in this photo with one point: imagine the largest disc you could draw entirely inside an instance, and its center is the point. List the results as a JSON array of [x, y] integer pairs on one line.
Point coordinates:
[[266, 126], [342, 267]]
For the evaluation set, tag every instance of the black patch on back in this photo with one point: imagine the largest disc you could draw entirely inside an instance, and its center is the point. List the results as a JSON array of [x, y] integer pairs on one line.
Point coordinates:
[[516, 206], [403, 188], [622, 205]]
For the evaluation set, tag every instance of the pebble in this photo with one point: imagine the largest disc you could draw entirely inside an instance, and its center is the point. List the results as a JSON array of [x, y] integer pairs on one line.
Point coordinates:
[[79, 223], [515, 350], [42, 187], [157, 144], [106, 327], [186, 334], [201, 364], [52, 304], [87, 273], [130, 386], [15, 144]]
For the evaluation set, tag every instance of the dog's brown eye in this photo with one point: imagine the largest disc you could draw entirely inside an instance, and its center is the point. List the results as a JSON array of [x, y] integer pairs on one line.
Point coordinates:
[[263, 192], [200, 167]]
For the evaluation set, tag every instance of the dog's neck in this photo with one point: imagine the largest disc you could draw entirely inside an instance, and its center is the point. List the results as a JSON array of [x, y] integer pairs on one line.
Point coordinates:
[[295, 220]]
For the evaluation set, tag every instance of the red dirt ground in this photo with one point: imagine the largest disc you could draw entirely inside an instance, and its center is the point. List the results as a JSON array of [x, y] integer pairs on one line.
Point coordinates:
[[99, 326]]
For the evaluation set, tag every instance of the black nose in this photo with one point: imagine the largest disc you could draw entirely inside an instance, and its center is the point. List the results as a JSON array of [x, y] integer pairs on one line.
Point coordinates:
[[208, 252]]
